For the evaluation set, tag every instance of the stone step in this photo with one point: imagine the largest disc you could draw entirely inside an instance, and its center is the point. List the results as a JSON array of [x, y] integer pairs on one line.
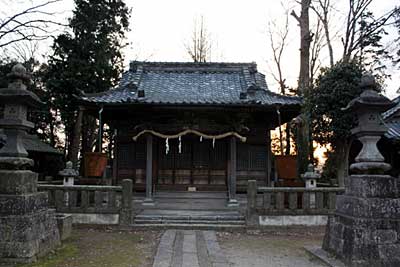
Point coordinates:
[[185, 226], [190, 217], [191, 195], [213, 222]]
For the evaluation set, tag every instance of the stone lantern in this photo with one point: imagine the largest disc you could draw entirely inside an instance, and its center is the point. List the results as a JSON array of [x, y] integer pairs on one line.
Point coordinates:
[[68, 174], [311, 177], [368, 107], [16, 100], [364, 230], [27, 227]]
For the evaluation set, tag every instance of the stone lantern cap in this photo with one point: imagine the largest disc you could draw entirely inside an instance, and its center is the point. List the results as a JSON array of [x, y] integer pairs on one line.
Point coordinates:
[[310, 173], [16, 91], [369, 98], [368, 107], [69, 171]]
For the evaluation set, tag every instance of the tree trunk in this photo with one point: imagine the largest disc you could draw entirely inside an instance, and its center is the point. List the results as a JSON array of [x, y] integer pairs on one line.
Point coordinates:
[[304, 21], [88, 137], [303, 130], [88, 133], [302, 143], [342, 149], [75, 143]]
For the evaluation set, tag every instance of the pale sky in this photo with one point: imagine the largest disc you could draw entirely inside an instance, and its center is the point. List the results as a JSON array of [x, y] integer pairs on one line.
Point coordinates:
[[238, 29]]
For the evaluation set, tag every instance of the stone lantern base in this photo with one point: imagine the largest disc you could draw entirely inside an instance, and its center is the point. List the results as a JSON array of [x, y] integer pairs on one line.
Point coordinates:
[[28, 229], [365, 229]]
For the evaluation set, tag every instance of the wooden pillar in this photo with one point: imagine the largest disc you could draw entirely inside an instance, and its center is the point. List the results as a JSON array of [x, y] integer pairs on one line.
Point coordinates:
[[232, 173], [269, 159], [149, 171], [115, 159]]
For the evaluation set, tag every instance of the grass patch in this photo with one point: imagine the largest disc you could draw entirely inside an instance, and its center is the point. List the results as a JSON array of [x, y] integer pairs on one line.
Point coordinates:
[[66, 251], [102, 248]]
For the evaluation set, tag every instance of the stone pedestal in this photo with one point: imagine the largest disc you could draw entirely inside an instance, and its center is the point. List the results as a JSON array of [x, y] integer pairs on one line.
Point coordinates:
[[27, 227], [365, 230]]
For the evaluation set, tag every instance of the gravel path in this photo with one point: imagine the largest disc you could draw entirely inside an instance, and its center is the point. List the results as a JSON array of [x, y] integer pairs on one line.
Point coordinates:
[[269, 250]]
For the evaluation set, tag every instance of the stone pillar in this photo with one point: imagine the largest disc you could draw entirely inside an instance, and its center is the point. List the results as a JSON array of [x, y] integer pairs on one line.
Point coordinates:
[[251, 213], [232, 202], [126, 211], [27, 227], [365, 229], [149, 171]]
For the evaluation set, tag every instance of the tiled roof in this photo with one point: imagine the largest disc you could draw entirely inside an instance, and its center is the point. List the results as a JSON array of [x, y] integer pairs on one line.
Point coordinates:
[[393, 131], [392, 122], [393, 110], [31, 144], [192, 83]]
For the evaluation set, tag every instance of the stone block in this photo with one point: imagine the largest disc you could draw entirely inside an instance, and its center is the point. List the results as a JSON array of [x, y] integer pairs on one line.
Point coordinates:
[[371, 186], [388, 208], [22, 204], [385, 236], [26, 227], [389, 254], [23, 237], [17, 182], [64, 223]]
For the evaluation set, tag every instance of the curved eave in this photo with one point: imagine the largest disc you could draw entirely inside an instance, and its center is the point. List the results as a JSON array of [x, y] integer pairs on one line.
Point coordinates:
[[211, 104]]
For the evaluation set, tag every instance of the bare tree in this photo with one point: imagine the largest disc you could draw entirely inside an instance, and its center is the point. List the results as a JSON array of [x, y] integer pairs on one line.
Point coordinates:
[[322, 8], [278, 42], [29, 24], [315, 50], [355, 30], [199, 48]]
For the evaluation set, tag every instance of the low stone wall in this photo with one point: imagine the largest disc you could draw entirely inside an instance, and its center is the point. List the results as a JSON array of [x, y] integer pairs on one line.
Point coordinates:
[[93, 204], [85, 218], [286, 206], [293, 220]]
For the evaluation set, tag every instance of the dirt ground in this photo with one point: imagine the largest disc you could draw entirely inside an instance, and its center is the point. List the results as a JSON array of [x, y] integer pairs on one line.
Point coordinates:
[[278, 248], [103, 247]]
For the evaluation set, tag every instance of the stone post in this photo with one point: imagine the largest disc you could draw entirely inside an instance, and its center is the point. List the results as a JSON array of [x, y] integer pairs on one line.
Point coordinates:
[[251, 216], [27, 227], [68, 174], [365, 228], [126, 211], [311, 177]]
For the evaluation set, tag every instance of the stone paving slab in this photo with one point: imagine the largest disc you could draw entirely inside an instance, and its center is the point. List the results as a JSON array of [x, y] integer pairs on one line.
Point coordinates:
[[164, 254], [324, 256], [189, 248]]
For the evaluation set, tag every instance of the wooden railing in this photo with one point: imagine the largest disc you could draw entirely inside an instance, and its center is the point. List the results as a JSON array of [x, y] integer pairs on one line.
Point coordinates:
[[291, 200], [92, 199]]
